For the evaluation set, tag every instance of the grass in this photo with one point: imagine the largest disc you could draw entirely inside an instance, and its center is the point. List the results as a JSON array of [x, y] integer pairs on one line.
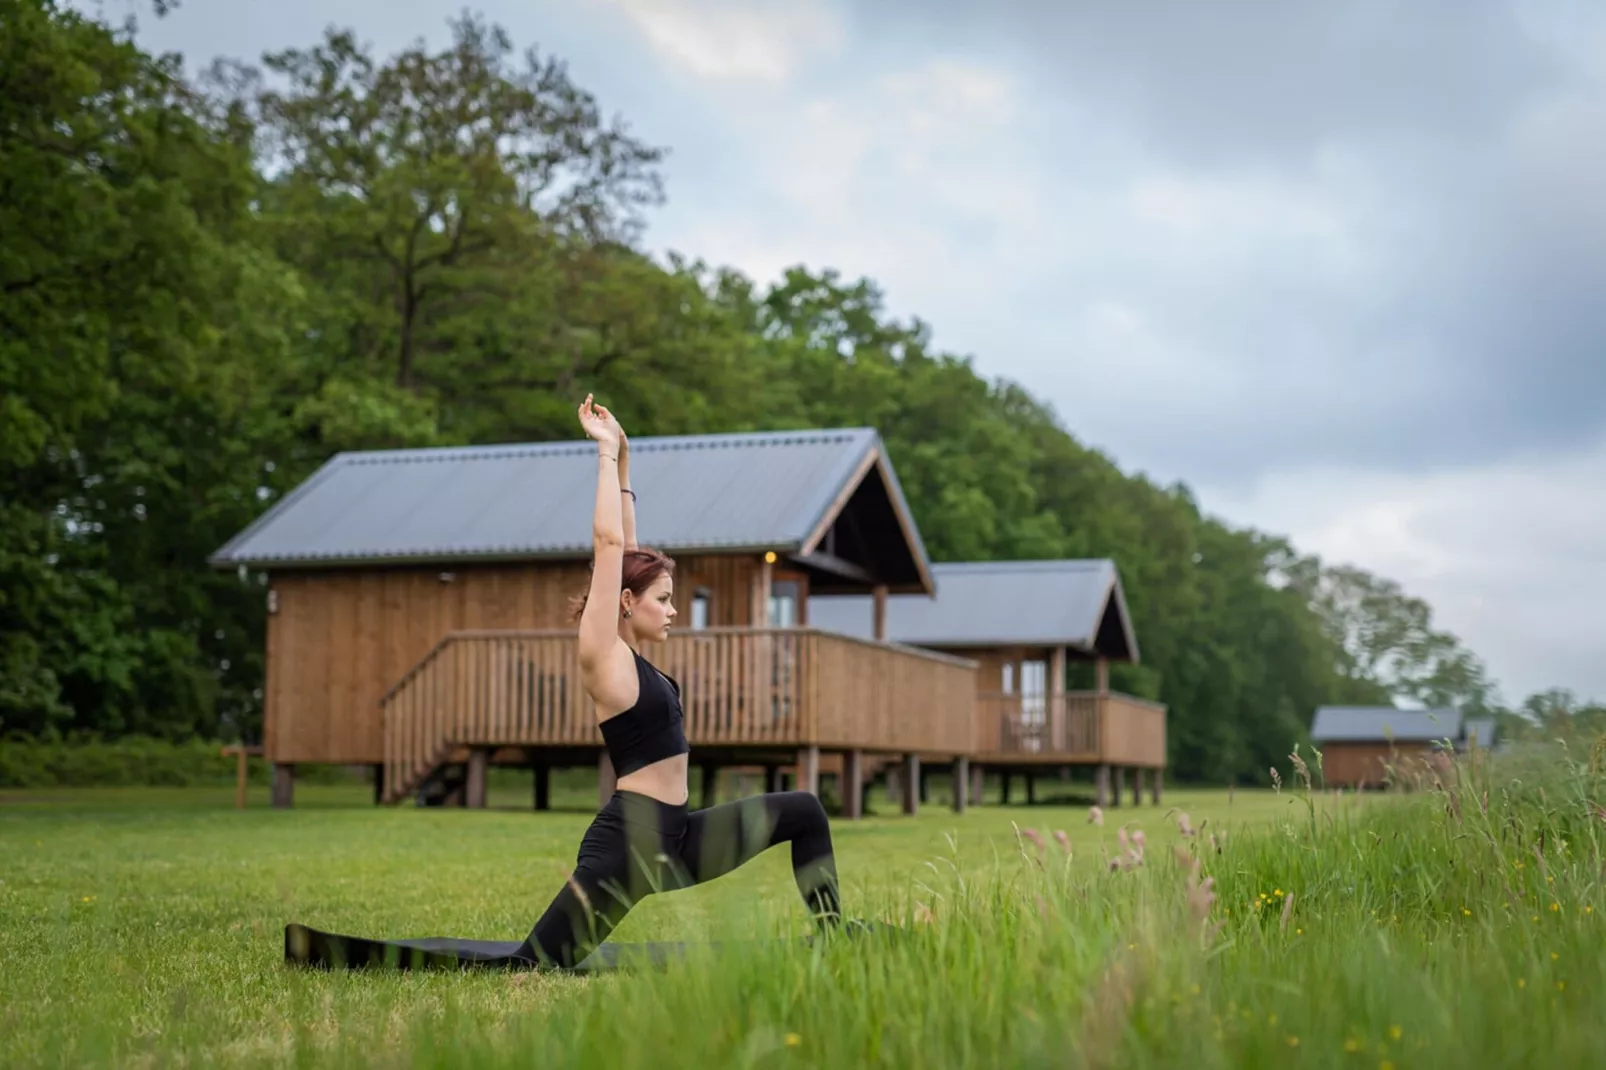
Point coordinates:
[[143, 928]]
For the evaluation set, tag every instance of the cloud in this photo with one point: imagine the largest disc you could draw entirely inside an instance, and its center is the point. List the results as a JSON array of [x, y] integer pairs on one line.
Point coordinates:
[[1511, 556], [723, 40]]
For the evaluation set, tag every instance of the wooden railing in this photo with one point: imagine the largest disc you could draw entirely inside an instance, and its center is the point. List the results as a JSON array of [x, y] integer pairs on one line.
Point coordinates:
[[1075, 726], [776, 686]]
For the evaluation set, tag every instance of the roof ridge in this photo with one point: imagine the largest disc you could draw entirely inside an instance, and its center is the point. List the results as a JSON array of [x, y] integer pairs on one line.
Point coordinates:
[[645, 443]]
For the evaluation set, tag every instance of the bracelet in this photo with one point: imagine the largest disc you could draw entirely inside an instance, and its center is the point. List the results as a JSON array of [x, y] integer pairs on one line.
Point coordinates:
[[610, 456], [627, 490]]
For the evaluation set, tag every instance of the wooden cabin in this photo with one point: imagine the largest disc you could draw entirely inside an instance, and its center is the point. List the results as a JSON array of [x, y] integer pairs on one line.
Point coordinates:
[[1361, 744], [418, 610], [1024, 623]]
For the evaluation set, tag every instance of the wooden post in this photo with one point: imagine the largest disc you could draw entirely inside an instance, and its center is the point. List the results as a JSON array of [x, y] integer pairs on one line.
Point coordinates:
[[761, 595], [1137, 787], [543, 786], [379, 782], [1155, 777], [710, 784], [978, 783], [1101, 784], [1004, 776], [878, 620], [479, 761], [925, 780], [961, 780], [911, 783], [1101, 676], [1120, 786], [1056, 700], [1031, 788], [284, 785], [606, 781], [242, 755], [772, 779], [808, 769], [853, 784]]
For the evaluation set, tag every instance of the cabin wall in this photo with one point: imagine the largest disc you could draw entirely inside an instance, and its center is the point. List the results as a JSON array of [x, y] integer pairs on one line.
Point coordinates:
[[1351, 764], [339, 639]]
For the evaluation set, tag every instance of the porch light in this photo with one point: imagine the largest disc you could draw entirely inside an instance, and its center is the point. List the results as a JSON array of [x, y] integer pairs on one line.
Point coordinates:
[[769, 557]]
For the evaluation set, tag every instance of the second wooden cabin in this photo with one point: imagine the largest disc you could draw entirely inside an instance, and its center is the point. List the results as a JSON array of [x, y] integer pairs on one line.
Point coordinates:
[[1022, 622], [418, 610]]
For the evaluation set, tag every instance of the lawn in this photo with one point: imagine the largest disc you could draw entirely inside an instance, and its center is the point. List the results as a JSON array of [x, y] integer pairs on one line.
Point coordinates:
[[144, 927]]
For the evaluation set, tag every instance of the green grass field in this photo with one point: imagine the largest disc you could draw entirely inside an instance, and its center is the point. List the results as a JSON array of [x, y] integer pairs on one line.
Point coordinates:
[[143, 927]]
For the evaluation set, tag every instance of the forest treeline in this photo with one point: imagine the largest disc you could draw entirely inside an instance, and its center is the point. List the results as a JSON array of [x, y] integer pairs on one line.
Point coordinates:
[[208, 285]]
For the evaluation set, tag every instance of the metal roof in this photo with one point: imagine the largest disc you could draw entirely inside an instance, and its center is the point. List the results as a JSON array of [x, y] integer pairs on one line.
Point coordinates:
[[1481, 727], [993, 603], [711, 493], [1368, 724]]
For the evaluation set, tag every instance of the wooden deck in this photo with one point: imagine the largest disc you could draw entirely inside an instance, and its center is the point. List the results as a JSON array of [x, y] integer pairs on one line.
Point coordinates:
[[743, 688], [1072, 728]]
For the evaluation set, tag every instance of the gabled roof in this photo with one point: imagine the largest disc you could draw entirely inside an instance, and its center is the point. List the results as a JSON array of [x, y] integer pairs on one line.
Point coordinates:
[[1075, 603], [724, 493], [1375, 724]]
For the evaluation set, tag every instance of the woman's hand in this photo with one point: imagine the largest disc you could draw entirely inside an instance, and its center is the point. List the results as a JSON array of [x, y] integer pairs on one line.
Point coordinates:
[[599, 424]]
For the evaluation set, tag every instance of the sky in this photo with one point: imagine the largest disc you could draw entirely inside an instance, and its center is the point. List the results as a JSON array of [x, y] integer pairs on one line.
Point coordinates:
[[1341, 268]]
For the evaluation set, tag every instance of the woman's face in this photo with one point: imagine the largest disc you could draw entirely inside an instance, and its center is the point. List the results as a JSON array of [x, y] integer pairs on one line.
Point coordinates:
[[652, 613]]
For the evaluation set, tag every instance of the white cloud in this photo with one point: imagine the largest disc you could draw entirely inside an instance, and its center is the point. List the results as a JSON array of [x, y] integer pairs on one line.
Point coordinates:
[[724, 40], [1511, 556]]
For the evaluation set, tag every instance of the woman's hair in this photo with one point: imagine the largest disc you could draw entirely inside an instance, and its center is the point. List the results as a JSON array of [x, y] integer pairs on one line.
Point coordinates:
[[642, 567]]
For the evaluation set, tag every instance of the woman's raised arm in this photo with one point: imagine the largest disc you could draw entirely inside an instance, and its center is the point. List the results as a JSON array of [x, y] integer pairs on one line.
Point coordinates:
[[599, 620]]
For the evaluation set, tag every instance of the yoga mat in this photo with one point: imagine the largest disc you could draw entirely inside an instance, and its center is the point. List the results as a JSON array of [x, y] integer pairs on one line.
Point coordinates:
[[306, 946]]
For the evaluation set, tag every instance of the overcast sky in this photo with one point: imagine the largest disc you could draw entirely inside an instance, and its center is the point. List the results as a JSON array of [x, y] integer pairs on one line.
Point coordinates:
[[1339, 266]]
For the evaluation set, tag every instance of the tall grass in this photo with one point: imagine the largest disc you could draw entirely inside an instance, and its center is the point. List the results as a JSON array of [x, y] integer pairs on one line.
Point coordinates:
[[1454, 924]]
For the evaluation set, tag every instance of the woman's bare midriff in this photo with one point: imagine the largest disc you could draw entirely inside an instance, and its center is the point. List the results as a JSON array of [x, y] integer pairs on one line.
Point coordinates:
[[662, 780]]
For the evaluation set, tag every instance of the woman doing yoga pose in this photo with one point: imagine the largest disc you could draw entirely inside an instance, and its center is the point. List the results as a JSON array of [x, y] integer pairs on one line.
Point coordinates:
[[646, 838]]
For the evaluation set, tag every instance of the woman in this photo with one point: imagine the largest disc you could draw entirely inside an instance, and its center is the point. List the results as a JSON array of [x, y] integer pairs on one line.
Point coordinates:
[[646, 838]]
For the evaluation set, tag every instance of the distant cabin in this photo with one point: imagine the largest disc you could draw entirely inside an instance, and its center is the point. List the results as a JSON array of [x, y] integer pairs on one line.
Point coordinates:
[[1022, 622], [418, 609], [1360, 743]]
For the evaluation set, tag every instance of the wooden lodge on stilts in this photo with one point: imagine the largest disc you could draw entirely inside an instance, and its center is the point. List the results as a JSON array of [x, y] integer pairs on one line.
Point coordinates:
[[418, 613], [1023, 622]]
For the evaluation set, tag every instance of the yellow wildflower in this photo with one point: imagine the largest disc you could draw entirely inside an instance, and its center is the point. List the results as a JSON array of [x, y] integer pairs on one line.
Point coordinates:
[[793, 1040]]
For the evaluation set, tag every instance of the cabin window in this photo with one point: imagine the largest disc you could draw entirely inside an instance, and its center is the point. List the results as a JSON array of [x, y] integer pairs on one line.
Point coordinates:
[[1033, 689], [701, 604], [784, 598], [1009, 678]]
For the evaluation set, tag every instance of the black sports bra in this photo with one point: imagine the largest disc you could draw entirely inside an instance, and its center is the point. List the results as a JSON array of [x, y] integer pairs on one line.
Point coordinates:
[[651, 730]]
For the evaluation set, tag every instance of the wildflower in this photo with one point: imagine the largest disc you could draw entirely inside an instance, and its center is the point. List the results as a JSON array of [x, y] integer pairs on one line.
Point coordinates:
[[1385, 1065], [1522, 983], [1554, 956], [1293, 1042], [1555, 906], [1536, 917], [1394, 1032], [1352, 1044], [793, 1040], [1465, 912], [1299, 932]]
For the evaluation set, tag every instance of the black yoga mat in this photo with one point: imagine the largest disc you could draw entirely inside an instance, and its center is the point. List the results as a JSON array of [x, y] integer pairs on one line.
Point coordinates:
[[305, 946]]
